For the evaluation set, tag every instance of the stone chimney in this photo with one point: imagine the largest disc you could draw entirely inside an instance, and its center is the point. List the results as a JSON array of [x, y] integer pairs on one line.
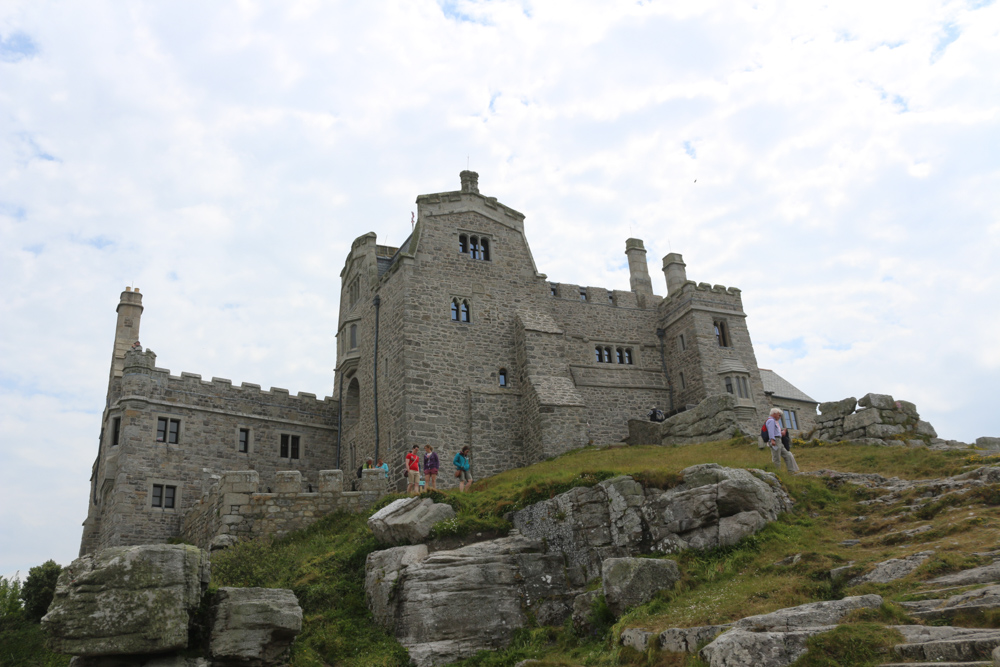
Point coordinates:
[[470, 181], [638, 271], [676, 274]]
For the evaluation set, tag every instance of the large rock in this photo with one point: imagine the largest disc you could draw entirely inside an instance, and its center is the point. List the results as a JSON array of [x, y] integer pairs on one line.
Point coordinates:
[[712, 419], [127, 600], [742, 648], [836, 409], [687, 640], [987, 443], [971, 603], [629, 582], [807, 615], [714, 506], [253, 626], [454, 603], [985, 574], [892, 569], [408, 520], [382, 572], [877, 401]]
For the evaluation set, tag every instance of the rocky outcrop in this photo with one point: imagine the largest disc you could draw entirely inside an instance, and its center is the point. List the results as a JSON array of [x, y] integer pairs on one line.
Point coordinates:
[[130, 606], [127, 600], [715, 418], [446, 605], [714, 506], [740, 648], [629, 582], [892, 569], [408, 520], [879, 420], [807, 615], [450, 604], [971, 603], [984, 574], [927, 490], [253, 626]]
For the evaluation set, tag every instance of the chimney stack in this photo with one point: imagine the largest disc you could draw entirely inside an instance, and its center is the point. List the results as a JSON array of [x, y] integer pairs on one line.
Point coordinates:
[[470, 181], [676, 274]]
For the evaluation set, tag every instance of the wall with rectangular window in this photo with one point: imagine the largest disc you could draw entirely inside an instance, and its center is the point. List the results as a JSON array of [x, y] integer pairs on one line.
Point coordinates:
[[163, 495], [168, 430], [289, 446], [243, 441]]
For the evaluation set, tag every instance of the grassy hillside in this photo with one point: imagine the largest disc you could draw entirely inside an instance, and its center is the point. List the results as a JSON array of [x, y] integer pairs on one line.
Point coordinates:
[[324, 565]]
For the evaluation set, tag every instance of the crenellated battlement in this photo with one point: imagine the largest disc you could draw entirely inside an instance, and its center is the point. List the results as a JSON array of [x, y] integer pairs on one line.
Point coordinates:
[[235, 506]]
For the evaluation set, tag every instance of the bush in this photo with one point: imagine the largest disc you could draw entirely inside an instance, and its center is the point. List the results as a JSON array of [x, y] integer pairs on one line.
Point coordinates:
[[10, 597], [39, 588]]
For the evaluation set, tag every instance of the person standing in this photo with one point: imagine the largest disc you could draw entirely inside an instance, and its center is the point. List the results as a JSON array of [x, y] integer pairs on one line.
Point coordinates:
[[413, 471], [384, 467], [462, 469], [431, 464], [778, 452]]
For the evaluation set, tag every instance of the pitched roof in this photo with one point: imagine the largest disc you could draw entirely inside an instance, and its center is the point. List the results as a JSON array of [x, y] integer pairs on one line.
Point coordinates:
[[782, 388]]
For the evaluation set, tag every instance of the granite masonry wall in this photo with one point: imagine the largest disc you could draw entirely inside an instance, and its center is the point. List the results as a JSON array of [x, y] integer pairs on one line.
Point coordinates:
[[237, 506]]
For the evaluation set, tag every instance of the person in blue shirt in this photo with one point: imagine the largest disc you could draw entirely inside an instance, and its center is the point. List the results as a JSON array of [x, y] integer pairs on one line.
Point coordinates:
[[384, 466], [778, 452], [462, 471]]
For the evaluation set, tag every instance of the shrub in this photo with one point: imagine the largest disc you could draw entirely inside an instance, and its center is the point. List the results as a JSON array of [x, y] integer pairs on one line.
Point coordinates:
[[39, 588], [10, 597]]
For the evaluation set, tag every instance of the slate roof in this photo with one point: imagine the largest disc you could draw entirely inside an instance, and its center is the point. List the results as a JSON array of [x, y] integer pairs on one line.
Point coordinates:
[[782, 388]]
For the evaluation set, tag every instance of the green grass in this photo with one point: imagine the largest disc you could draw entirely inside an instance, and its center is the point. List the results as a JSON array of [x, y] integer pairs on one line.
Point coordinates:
[[855, 644]]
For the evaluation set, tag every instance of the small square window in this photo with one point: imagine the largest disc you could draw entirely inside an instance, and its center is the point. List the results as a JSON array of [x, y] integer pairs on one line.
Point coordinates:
[[163, 496], [168, 430]]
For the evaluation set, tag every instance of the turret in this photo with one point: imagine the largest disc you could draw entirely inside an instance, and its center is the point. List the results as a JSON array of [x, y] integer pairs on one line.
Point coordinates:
[[470, 181], [676, 274], [638, 271], [127, 329]]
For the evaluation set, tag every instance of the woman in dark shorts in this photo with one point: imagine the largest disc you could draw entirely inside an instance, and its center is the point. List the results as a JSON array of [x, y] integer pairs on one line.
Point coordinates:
[[431, 465]]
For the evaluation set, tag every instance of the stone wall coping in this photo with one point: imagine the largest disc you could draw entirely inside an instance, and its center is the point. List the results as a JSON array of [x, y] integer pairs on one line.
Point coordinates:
[[174, 405]]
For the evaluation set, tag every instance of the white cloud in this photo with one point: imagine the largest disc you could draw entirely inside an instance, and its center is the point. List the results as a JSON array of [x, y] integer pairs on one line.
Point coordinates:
[[223, 157]]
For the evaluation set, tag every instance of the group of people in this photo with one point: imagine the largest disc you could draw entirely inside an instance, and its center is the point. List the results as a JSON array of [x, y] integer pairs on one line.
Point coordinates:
[[431, 466]]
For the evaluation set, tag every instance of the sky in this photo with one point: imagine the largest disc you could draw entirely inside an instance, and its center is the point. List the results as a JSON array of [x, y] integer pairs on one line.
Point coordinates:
[[838, 162]]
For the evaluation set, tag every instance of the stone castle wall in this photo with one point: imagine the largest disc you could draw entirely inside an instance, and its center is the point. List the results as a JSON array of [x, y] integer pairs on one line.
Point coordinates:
[[238, 506]]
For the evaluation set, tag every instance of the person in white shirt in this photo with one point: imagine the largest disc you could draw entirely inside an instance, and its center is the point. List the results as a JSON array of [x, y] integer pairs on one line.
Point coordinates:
[[778, 452]]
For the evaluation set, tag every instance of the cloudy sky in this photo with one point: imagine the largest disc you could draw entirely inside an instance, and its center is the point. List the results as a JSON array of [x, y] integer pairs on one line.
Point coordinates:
[[837, 162]]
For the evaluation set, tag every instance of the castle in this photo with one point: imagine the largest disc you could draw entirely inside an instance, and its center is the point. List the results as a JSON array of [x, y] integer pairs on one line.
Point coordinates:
[[454, 338]]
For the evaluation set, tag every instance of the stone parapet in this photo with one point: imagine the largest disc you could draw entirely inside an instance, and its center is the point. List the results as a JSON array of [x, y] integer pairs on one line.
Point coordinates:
[[236, 508]]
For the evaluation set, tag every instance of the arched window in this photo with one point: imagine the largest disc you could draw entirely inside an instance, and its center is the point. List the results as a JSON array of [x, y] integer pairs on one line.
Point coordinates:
[[485, 243], [607, 355], [474, 247], [463, 243], [354, 336], [454, 310], [465, 315], [628, 355], [599, 354], [502, 377], [721, 335], [621, 355]]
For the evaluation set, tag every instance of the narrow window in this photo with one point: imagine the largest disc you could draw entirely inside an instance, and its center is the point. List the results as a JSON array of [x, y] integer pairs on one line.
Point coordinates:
[[454, 310], [486, 249], [464, 312], [295, 447], [474, 247], [746, 387], [283, 451], [354, 336], [611, 298], [739, 387], [157, 500], [244, 441], [161, 429], [553, 291], [117, 427], [583, 294], [502, 376], [721, 335], [729, 385], [174, 433], [463, 243], [683, 342], [620, 354], [683, 384], [169, 493], [597, 351], [628, 355], [607, 355]]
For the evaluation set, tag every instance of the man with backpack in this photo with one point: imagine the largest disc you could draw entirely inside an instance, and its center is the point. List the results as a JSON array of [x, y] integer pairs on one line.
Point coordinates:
[[774, 441]]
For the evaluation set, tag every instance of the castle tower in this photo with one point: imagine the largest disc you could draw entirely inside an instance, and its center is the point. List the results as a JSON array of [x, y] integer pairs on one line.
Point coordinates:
[[638, 271], [127, 329], [675, 272]]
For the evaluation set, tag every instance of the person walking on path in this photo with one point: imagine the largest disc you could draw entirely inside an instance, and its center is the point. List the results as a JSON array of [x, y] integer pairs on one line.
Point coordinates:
[[431, 464], [461, 463], [413, 471], [778, 452]]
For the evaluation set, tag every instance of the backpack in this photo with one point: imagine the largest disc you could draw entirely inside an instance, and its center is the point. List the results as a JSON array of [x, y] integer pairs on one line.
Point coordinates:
[[764, 435]]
